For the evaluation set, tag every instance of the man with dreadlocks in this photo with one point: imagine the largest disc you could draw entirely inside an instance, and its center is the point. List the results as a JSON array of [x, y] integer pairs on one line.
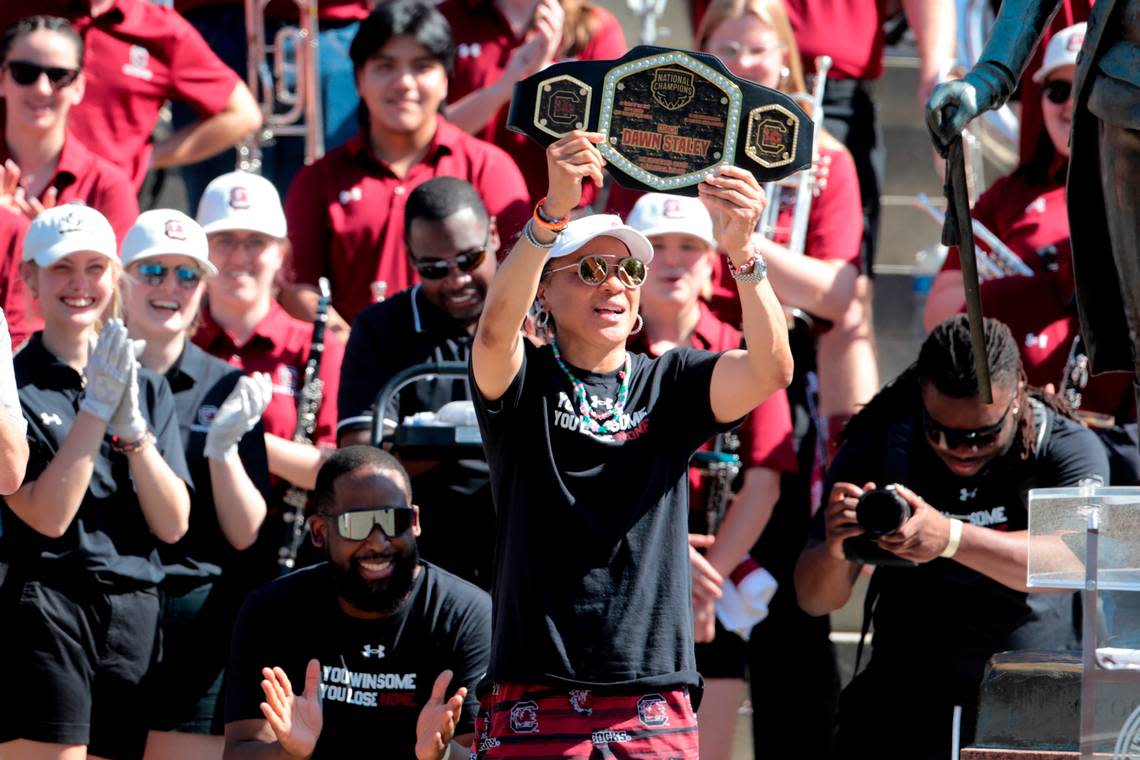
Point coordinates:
[[949, 590]]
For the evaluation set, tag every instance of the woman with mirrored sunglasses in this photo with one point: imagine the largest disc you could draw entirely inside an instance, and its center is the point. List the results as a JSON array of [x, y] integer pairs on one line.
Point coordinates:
[[588, 446], [165, 265], [41, 61]]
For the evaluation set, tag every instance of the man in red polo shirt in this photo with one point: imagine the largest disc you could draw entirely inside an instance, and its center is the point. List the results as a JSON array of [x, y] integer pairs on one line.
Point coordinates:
[[139, 55], [346, 211]]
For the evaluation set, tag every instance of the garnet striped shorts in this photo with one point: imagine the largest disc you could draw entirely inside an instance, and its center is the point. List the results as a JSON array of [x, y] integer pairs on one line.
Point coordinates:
[[538, 722]]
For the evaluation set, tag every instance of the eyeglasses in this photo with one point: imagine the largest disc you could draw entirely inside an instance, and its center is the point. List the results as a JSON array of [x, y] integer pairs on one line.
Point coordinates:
[[437, 269], [593, 270], [25, 73], [731, 49], [155, 274], [226, 244], [954, 438], [357, 525], [1057, 91]]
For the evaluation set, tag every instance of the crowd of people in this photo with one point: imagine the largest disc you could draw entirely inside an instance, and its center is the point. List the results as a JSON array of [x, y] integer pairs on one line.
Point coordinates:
[[214, 543]]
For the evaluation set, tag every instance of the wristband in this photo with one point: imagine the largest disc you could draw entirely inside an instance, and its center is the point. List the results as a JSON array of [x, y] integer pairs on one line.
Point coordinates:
[[130, 447], [547, 223], [528, 232], [446, 752], [955, 538]]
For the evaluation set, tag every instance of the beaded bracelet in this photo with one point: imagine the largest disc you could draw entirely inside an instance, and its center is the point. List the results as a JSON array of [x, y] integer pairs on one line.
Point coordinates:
[[528, 231], [130, 447], [545, 222]]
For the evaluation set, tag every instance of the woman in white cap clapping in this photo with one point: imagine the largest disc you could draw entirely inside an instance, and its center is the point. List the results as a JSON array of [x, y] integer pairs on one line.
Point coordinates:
[[105, 486], [165, 258], [588, 447]]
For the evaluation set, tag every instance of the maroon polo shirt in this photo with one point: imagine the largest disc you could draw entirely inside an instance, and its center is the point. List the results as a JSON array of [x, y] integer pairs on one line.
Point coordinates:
[[1031, 218], [14, 298], [346, 211], [484, 43], [280, 346], [766, 433], [139, 55], [327, 10]]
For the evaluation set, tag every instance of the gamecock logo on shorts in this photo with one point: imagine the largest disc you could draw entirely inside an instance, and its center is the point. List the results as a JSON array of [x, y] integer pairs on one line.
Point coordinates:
[[524, 718], [652, 710], [580, 701]]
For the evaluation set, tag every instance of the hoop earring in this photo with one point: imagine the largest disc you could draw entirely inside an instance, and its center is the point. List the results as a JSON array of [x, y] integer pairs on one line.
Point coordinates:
[[542, 319], [785, 72], [640, 323]]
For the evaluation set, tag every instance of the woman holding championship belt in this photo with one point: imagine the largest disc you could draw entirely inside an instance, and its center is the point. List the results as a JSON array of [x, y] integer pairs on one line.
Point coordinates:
[[588, 447]]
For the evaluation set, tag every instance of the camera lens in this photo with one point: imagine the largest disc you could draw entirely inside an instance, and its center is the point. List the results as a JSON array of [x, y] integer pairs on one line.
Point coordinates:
[[881, 511]]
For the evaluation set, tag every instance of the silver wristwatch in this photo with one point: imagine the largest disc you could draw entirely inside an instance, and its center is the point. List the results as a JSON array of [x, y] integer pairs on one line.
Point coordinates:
[[753, 270]]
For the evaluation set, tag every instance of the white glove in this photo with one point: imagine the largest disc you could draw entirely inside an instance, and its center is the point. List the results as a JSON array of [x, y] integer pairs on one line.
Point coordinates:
[[237, 415], [127, 423], [107, 372]]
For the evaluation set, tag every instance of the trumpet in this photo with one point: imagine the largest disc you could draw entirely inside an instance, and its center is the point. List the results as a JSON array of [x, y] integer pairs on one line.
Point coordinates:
[[290, 88], [999, 262]]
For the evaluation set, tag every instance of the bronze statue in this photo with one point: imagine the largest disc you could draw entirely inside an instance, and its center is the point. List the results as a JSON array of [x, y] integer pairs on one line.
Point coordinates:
[[1104, 164]]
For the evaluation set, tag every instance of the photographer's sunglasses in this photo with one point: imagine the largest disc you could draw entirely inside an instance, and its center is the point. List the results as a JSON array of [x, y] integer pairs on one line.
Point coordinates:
[[1057, 91], [154, 274], [593, 270], [953, 438], [357, 525], [26, 73]]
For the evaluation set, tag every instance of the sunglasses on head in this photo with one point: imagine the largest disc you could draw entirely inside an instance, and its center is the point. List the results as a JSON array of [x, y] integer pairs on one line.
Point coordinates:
[[954, 438], [437, 269], [357, 525], [25, 73], [593, 270], [1057, 91], [154, 274]]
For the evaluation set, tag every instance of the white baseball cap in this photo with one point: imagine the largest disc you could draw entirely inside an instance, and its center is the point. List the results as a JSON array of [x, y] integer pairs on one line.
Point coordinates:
[[70, 228], [163, 232], [659, 213], [581, 231], [1062, 50], [242, 201]]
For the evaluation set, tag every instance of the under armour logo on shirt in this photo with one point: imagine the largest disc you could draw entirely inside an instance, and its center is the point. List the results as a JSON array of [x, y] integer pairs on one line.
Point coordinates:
[[348, 196], [370, 651], [472, 50], [50, 419], [965, 494], [1040, 341]]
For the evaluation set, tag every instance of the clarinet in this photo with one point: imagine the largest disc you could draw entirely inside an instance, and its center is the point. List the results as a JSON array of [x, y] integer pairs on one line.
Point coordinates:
[[309, 402], [722, 466]]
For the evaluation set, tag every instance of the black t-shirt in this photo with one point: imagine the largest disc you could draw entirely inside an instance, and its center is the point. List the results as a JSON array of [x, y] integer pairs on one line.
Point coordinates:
[[201, 383], [942, 616], [109, 534], [375, 674], [592, 580]]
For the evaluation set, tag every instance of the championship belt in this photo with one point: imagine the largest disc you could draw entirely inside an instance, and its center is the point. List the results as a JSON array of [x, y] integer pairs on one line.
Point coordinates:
[[670, 118]]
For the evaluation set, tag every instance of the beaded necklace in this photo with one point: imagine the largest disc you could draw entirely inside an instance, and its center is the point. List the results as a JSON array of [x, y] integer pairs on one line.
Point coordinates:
[[590, 421]]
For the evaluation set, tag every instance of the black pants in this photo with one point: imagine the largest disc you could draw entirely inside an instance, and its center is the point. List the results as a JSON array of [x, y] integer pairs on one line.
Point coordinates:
[[851, 115]]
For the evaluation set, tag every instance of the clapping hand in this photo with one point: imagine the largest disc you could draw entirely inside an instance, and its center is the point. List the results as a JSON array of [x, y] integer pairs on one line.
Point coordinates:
[[296, 719], [16, 199], [435, 727], [108, 371], [237, 415]]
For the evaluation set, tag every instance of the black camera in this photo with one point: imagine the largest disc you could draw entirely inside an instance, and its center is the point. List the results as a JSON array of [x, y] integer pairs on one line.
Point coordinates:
[[879, 512]]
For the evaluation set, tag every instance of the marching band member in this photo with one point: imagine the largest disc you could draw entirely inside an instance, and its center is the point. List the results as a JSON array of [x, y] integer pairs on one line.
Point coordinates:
[[241, 323], [165, 259], [106, 484], [588, 447], [346, 211], [684, 251], [41, 80]]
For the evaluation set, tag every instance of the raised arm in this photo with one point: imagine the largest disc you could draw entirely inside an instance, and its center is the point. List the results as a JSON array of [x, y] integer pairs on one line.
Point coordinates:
[[742, 379], [497, 353]]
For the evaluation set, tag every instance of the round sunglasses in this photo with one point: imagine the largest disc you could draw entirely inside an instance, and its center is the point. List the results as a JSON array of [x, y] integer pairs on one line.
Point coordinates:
[[1057, 91], [594, 270], [154, 274], [26, 73]]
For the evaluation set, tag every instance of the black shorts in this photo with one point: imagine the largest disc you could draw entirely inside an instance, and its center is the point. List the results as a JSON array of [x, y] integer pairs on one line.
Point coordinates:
[[74, 663], [726, 656], [184, 689]]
